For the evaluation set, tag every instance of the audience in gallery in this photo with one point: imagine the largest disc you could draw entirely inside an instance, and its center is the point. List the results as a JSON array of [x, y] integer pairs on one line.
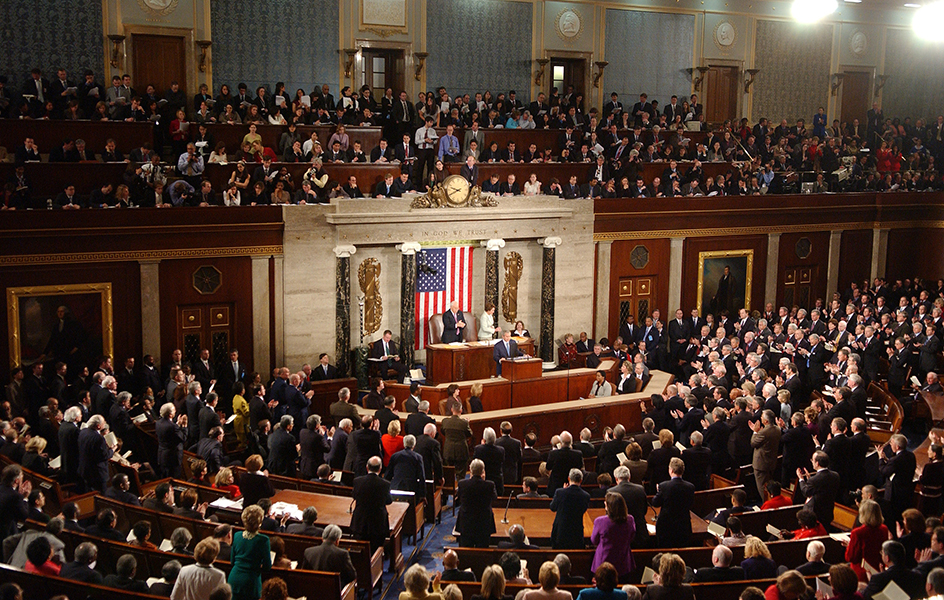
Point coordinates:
[[784, 370], [884, 154]]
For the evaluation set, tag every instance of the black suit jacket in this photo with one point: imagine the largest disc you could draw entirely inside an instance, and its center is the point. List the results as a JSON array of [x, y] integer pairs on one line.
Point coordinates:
[[697, 466], [416, 422], [371, 496], [318, 373], [80, 572], [93, 458], [501, 352], [570, 504], [203, 373], [911, 582], [330, 558], [674, 525], [69, 450], [361, 445], [511, 467], [559, 463], [475, 497], [637, 505], [406, 472], [494, 459], [13, 508], [450, 332], [314, 447], [822, 491], [901, 467], [170, 447], [282, 453], [431, 452]]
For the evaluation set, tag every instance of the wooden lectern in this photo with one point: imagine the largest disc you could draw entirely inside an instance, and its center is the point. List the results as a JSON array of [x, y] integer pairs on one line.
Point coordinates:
[[523, 368]]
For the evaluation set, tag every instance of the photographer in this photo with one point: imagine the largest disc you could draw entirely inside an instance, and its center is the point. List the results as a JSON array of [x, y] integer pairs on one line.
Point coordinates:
[[180, 193]]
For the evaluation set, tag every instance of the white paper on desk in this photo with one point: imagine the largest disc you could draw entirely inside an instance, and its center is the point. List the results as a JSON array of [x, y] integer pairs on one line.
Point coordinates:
[[621, 457], [306, 101], [680, 446], [840, 537], [166, 546], [656, 444], [56, 463], [417, 374], [869, 568], [227, 503], [111, 439], [456, 344], [716, 530], [891, 592], [230, 419], [142, 418], [294, 564], [647, 575], [773, 530], [824, 588], [915, 381]]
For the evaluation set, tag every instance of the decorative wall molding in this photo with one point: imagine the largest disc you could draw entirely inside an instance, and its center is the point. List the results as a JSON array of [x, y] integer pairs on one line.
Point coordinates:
[[723, 231], [137, 255]]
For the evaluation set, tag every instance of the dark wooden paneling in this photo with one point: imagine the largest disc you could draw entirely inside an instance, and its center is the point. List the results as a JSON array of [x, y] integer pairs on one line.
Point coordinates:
[[690, 251], [818, 260], [177, 289], [620, 266], [855, 257], [915, 253], [125, 279]]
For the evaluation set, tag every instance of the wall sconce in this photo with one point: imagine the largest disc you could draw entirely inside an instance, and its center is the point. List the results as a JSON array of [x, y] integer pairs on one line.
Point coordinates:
[[204, 46], [117, 41], [351, 54], [542, 63], [835, 83], [601, 64], [751, 75], [880, 83], [701, 77], [420, 58]]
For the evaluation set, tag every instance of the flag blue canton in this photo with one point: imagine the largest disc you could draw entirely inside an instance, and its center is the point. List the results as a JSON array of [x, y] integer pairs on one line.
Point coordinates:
[[431, 270]]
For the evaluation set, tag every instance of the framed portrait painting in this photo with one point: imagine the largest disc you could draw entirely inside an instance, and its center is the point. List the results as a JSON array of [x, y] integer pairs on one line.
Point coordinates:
[[60, 323], [724, 281]]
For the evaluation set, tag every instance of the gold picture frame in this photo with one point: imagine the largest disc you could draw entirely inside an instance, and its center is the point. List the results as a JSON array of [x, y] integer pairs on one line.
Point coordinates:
[[31, 313], [710, 269]]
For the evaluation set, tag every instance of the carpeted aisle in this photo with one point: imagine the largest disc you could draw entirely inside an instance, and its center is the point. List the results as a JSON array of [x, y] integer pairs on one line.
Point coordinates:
[[428, 552]]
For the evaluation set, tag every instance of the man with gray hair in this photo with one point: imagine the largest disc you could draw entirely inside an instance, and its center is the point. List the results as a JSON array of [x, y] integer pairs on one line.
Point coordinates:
[[94, 454], [427, 446], [417, 421], [329, 557], [343, 409], [898, 467], [307, 526], [476, 519], [570, 503], [721, 569], [371, 494], [405, 471], [338, 453], [192, 406], [563, 565], [814, 564], [766, 444], [68, 436], [517, 539], [494, 458], [81, 569], [637, 504], [935, 582], [283, 449], [561, 461]]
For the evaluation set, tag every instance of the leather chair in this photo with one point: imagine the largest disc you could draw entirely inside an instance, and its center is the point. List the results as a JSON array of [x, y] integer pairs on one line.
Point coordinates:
[[435, 329], [374, 368]]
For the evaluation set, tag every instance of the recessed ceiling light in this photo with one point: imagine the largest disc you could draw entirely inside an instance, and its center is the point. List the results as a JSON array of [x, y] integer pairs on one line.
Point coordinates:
[[912, 5], [926, 22], [811, 11], [853, 1]]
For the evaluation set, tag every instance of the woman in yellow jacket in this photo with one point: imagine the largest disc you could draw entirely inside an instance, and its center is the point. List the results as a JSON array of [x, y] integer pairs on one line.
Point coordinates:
[[241, 411]]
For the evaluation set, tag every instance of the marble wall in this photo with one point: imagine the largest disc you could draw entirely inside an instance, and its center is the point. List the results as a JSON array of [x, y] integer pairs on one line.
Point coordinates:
[[794, 62]]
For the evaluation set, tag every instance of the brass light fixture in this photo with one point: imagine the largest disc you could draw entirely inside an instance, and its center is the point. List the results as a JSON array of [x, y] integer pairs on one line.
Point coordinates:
[[696, 83], [420, 58], [835, 83], [116, 50], [880, 83], [351, 54], [542, 63], [204, 46], [601, 64], [751, 75]]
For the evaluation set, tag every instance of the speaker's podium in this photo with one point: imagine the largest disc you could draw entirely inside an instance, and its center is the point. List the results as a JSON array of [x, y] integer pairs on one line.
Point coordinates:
[[520, 369]]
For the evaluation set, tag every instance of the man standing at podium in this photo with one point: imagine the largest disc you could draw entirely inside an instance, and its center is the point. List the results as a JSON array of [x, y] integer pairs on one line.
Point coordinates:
[[453, 323], [506, 348]]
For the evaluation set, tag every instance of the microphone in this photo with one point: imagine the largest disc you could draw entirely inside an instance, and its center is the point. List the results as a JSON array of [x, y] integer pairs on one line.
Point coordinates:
[[350, 507], [505, 518]]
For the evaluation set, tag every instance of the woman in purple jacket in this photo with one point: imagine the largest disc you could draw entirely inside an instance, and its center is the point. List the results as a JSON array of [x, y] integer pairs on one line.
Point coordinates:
[[612, 535]]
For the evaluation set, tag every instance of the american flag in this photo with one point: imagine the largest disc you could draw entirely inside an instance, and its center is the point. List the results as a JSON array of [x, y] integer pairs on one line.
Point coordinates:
[[443, 275]]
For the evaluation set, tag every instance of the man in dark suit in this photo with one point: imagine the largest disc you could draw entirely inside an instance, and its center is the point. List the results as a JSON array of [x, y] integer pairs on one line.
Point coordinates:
[[560, 461], [453, 324], [406, 471], [386, 354], [203, 370], [385, 189], [766, 445], [13, 494], [838, 448], [324, 370], [207, 418], [362, 445], [506, 348], [412, 403], [94, 453], [675, 496], [371, 495], [898, 467], [641, 107], [843, 407], [697, 461], [679, 334], [171, 436], [689, 421], [511, 467], [494, 458], [283, 449], [606, 457], [404, 113], [570, 503], [233, 371], [451, 570], [821, 489], [68, 436], [637, 504], [721, 569], [427, 446], [81, 569], [386, 414], [893, 556], [329, 557], [416, 422], [476, 522]]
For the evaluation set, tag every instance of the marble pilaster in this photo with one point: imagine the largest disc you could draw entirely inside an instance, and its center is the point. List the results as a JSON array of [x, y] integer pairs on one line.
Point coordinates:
[[773, 268], [408, 252], [491, 272], [151, 308], [343, 307], [548, 282], [879, 252], [261, 326]]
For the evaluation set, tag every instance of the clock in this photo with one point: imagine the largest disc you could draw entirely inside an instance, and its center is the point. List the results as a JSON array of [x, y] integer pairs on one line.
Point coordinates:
[[457, 190], [207, 279]]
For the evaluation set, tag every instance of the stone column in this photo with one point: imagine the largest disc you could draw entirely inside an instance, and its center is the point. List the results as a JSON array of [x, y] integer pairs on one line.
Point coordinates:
[[548, 267], [602, 276], [491, 272], [342, 307], [879, 252], [773, 269], [832, 269], [408, 252], [151, 308], [261, 327], [675, 278]]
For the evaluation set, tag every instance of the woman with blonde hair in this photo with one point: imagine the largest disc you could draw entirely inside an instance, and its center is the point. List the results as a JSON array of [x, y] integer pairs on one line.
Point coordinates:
[[392, 441], [549, 576], [226, 481], [757, 563], [416, 581], [669, 585], [250, 555], [34, 459], [789, 586], [493, 585], [865, 541]]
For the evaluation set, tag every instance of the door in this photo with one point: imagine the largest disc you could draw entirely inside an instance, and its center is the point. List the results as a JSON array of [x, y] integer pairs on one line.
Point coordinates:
[[383, 68], [636, 297], [569, 72], [798, 285], [210, 326], [158, 60], [856, 92], [722, 85]]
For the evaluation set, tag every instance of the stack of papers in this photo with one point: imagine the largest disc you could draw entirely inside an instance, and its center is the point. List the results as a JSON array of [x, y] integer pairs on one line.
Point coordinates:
[[891, 592], [226, 503], [283, 508], [647, 575], [166, 546], [842, 538], [142, 418], [56, 463]]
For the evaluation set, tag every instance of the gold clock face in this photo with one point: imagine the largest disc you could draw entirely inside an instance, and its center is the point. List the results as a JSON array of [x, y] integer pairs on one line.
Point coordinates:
[[457, 189]]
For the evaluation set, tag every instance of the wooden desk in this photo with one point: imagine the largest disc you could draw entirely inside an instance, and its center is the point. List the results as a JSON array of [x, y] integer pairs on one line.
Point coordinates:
[[538, 522], [334, 510], [326, 392], [519, 370], [447, 363]]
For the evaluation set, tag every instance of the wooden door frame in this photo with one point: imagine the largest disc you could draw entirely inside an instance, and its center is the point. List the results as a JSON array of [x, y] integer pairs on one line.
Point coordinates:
[[587, 57], [409, 80], [739, 109], [190, 62], [870, 71]]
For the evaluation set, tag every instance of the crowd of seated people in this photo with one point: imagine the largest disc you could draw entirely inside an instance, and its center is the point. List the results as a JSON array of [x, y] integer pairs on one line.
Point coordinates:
[[881, 155]]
